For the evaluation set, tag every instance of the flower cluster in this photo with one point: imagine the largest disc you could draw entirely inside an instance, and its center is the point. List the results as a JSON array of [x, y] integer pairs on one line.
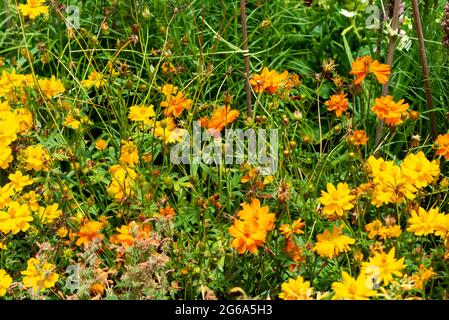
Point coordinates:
[[251, 227]]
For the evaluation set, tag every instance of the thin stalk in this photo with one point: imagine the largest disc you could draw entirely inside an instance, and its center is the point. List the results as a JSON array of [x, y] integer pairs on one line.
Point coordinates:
[[390, 55], [425, 66], [246, 56]]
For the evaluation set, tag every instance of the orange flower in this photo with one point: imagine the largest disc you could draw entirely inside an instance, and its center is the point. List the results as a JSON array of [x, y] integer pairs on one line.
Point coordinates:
[[365, 65], [175, 104], [391, 111], [268, 81], [358, 138], [88, 232], [128, 234], [256, 215], [296, 227], [168, 212], [338, 103], [220, 118], [442, 143], [246, 237]]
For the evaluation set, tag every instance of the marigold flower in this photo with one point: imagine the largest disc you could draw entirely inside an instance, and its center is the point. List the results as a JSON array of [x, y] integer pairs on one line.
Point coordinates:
[[142, 113], [19, 181], [128, 234], [94, 79], [71, 122], [330, 245], [418, 170], [358, 138], [365, 65], [268, 81], [33, 9], [36, 158], [122, 182], [5, 282], [128, 153], [89, 232], [296, 289], [423, 222], [15, 219], [51, 87], [220, 118], [167, 213], [49, 213], [386, 108], [246, 237], [442, 143], [383, 266], [256, 215], [376, 228], [167, 131], [39, 275], [422, 276], [352, 289], [175, 103], [338, 103], [336, 200], [288, 229], [101, 144]]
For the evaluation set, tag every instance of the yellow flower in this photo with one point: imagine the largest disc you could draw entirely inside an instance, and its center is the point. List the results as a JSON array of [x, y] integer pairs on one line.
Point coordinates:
[[419, 171], [95, 79], [62, 232], [5, 282], [330, 245], [352, 289], [101, 144], [33, 8], [376, 228], [24, 119], [49, 213], [121, 186], [296, 289], [167, 132], [71, 122], [16, 219], [6, 192], [383, 266], [51, 87], [128, 153], [19, 181], [142, 113], [36, 158], [423, 222], [5, 156], [39, 275], [336, 200]]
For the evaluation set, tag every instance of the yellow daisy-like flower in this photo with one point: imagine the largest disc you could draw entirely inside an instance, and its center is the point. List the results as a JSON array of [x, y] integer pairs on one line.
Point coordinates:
[[95, 79], [142, 113], [19, 181], [336, 200], [5, 282], [33, 9], [352, 289], [383, 266], [329, 245], [296, 289], [423, 222], [419, 171], [39, 275]]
